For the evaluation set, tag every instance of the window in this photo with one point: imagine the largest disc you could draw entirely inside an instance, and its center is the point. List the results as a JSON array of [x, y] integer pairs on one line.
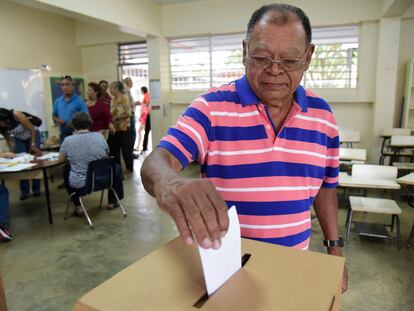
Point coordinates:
[[334, 63], [199, 63], [133, 63]]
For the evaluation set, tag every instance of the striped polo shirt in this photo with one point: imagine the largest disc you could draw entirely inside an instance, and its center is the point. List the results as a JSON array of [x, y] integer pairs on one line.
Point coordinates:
[[271, 179]]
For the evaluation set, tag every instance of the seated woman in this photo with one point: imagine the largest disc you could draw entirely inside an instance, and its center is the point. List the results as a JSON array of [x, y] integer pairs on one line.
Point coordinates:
[[5, 234], [99, 111], [26, 139], [80, 149]]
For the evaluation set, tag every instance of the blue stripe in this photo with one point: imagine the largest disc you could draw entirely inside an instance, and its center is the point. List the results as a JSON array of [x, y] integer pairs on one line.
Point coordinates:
[[233, 133], [329, 185], [271, 208], [263, 170], [318, 103], [301, 98], [331, 171], [289, 241], [199, 117], [335, 143], [245, 92], [175, 152], [309, 136], [222, 96], [186, 141]]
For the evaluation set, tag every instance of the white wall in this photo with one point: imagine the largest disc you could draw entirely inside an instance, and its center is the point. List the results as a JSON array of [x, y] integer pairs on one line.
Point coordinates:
[[137, 17], [32, 37], [406, 53], [216, 16]]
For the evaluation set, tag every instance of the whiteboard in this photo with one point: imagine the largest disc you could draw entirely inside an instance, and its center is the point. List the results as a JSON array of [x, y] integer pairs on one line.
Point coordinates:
[[22, 90]]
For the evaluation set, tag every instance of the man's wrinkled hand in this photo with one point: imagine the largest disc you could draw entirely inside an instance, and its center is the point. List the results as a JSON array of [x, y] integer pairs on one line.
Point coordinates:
[[197, 209]]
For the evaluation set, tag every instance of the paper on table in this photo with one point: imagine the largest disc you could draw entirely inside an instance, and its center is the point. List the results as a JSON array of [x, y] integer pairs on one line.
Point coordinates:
[[17, 167], [49, 156], [219, 265]]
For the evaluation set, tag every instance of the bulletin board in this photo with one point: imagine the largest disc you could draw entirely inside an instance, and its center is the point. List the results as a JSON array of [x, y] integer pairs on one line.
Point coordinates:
[[56, 89]]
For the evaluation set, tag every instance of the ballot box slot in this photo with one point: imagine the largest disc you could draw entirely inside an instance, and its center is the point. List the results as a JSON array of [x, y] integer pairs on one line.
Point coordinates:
[[200, 302]]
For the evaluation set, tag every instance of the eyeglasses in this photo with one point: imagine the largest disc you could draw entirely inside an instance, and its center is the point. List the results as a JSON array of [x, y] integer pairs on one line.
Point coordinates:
[[288, 64]]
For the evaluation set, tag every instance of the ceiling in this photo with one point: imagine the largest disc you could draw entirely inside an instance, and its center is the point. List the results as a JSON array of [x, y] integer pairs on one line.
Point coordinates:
[[167, 2]]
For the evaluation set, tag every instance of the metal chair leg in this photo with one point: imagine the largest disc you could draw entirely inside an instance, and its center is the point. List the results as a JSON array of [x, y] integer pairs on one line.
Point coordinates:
[[86, 214], [410, 237], [348, 230], [67, 208], [398, 232], [100, 202], [118, 201], [392, 223], [347, 217]]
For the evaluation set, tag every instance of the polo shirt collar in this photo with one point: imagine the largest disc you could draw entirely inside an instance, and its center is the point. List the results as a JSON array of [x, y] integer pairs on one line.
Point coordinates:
[[248, 97], [73, 97]]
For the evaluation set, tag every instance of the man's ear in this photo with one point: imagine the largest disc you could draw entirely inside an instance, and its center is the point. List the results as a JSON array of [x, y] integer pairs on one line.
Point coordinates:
[[244, 53], [311, 49]]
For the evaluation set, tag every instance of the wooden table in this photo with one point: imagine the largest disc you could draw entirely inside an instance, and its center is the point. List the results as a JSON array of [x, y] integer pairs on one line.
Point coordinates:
[[39, 171]]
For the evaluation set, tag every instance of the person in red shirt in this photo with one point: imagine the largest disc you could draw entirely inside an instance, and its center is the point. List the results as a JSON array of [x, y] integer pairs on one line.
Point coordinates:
[[145, 120], [98, 110], [106, 98]]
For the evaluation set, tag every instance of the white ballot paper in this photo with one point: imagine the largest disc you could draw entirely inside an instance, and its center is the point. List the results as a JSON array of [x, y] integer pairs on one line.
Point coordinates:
[[220, 264]]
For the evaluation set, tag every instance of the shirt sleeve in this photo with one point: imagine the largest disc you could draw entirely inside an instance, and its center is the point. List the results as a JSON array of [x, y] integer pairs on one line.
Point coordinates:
[[64, 148], [81, 105], [332, 157], [188, 140], [107, 116], [55, 110]]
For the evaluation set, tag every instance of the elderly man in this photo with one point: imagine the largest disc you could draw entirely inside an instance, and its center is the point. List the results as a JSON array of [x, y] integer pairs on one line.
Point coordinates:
[[265, 145], [128, 87], [66, 106]]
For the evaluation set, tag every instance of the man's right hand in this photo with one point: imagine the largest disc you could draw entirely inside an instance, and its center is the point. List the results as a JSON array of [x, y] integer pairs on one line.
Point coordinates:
[[197, 209], [60, 121]]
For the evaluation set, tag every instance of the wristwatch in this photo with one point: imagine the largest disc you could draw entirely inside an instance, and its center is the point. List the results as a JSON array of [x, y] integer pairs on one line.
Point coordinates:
[[334, 243]]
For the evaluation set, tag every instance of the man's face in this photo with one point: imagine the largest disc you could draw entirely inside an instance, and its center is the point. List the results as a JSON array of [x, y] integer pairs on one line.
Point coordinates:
[[67, 87], [275, 84], [104, 86], [129, 83]]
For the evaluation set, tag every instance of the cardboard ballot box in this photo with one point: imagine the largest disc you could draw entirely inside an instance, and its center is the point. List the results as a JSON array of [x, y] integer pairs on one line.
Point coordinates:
[[273, 278]]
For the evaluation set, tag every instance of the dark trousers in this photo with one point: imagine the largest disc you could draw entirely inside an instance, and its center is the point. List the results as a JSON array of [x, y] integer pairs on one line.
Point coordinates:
[[146, 133], [121, 142], [133, 130], [24, 146], [118, 187], [4, 206]]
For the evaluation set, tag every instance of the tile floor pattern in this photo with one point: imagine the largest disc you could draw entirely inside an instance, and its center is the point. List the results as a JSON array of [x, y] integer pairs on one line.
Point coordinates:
[[49, 267]]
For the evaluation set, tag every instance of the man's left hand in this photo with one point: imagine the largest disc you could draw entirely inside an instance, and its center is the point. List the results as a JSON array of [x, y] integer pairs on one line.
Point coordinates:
[[336, 251]]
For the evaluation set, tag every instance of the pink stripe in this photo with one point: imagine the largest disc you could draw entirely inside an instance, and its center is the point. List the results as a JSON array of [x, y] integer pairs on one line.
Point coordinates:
[[273, 220], [268, 196], [268, 181], [302, 244], [331, 180], [239, 145], [332, 152], [177, 144], [273, 233], [313, 126], [322, 114], [301, 145], [270, 156]]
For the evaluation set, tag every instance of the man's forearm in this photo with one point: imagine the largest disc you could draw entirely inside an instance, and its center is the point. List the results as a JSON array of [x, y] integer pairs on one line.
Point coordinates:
[[158, 166], [326, 208]]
